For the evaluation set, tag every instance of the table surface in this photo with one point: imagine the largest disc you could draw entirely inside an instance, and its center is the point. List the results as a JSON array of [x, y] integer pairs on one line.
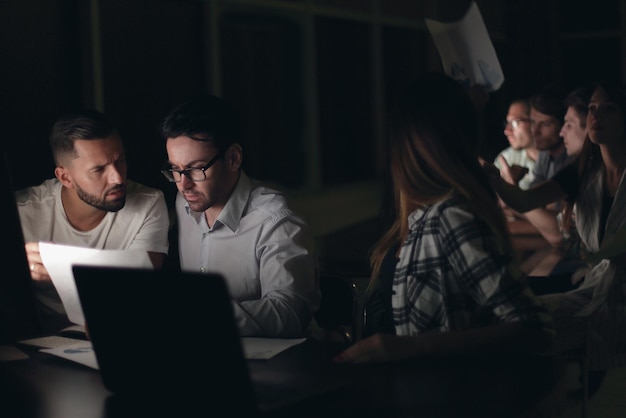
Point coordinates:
[[300, 382]]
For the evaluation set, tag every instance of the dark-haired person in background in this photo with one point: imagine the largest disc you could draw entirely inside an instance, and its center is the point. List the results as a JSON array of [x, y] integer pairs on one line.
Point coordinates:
[[89, 203], [516, 162], [594, 314], [547, 110], [231, 224]]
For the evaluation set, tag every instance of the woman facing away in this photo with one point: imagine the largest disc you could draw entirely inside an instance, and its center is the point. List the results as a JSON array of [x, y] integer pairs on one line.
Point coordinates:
[[455, 289], [595, 312]]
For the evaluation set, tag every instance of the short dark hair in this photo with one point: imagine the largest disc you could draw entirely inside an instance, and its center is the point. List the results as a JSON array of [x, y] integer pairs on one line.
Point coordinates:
[[204, 114], [549, 101], [86, 124]]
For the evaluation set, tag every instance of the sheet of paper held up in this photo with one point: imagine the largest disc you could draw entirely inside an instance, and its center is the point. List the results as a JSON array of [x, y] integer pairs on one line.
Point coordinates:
[[58, 260], [466, 51], [81, 352]]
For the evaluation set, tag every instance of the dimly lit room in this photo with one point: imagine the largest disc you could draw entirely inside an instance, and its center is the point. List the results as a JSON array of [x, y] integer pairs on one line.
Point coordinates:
[[319, 88]]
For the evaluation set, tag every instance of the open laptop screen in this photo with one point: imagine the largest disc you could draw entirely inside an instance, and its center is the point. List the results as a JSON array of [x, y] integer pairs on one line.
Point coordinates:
[[169, 334]]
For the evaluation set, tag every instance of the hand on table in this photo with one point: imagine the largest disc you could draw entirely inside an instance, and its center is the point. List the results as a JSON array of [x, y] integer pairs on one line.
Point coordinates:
[[379, 348]]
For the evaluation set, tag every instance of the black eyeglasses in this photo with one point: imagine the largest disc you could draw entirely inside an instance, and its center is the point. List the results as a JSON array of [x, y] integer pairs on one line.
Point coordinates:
[[192, 173], [514, 123]]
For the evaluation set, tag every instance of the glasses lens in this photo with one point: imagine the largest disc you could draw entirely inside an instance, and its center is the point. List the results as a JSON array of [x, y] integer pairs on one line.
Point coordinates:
[[170, 175], [195, 174]]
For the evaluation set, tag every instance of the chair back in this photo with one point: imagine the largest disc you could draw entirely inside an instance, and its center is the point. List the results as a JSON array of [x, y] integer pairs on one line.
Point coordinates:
[[337, 314]]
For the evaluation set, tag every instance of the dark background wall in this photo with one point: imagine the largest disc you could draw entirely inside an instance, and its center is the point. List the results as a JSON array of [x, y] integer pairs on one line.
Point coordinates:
[[312, 79]]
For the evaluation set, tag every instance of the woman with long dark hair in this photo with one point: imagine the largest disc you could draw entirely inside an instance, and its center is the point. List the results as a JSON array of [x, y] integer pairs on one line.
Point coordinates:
[[455, 288]]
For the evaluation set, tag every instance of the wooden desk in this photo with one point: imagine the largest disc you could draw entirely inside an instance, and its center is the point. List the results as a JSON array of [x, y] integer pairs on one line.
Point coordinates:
[[490, 386], [302, 382]]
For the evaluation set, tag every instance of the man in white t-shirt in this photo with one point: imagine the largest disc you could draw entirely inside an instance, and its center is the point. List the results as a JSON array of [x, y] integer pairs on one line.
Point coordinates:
[[516, 163], [89, 203]]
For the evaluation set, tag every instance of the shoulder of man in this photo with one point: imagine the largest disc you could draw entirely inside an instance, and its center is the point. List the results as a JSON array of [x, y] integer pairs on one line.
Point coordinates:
[[40, 192], [265, 196], [503, 153], [271, 201], [136, 193], [138, 188]]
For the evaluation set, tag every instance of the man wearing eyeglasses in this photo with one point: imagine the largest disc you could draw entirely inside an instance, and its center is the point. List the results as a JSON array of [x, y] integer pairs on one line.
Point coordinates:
[[90, 203], [231, 224], [517, 162]]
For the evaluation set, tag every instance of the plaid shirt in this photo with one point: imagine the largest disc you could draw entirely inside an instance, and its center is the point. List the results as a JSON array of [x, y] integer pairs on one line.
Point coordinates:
[[452, 276]]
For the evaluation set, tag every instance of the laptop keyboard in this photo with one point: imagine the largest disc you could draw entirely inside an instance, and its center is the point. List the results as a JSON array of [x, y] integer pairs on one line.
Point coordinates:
[[51, 341]]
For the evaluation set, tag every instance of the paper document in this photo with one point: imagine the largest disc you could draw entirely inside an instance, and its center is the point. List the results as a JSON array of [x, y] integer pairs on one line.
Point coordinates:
[[467, 53], [58, 260], [81, 352], [264, 348], [254, 349]]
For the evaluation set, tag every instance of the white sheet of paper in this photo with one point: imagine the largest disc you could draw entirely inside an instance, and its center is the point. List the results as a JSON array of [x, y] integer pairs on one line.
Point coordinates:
[[80, 353], [58, 260], [467, 53], [255, 348]]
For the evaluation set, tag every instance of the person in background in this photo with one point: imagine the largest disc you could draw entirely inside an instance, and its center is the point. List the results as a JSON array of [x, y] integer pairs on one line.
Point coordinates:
[[547, 110], [563, 259], [566, 258], [594, 314], [516, 162], [453, 286], [574, 129], [232, 224], [90, 203]]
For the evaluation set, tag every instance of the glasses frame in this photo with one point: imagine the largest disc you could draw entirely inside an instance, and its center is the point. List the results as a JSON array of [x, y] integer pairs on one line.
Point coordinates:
[[168, 173], [515, 122]]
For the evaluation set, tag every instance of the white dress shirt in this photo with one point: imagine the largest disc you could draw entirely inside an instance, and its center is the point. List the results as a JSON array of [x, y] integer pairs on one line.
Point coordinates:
[[265, 253]]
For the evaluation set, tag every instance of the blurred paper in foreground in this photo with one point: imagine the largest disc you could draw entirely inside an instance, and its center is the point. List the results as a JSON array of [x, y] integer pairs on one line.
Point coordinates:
[[466, 51]]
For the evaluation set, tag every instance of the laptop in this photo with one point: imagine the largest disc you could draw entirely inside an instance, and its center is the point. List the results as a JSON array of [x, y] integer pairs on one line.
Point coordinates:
[[169, 337], [19, 316]]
